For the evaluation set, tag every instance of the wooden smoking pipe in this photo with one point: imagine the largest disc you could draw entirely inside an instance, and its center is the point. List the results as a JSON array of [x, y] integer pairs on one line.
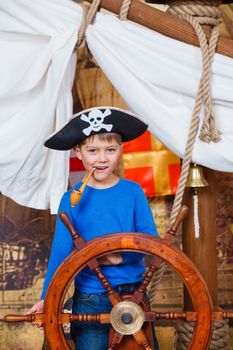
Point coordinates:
[[77, 194]]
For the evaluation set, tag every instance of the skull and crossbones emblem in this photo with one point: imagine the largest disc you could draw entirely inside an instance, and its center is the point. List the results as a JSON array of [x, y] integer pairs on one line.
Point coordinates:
[[95, 119]]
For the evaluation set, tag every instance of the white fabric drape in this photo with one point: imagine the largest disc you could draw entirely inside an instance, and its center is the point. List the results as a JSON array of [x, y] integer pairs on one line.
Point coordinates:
[[157, 77], [36, 69]]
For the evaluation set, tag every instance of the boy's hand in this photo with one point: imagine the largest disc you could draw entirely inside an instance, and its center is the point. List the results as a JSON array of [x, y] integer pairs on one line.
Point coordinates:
[[111, 259], [37, 309]]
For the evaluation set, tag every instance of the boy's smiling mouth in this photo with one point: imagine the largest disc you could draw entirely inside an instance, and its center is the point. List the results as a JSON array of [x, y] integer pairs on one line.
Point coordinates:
[[101, 167]]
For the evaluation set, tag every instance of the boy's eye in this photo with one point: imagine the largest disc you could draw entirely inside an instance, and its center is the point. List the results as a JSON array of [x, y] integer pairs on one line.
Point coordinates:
[[92, 150], [111, 150]]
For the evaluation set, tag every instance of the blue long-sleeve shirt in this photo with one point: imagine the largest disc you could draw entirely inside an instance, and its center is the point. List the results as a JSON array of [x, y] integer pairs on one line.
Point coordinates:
[[120, 208]]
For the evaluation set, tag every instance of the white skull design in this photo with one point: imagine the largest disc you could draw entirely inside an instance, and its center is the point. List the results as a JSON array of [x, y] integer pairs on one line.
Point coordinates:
[[96, 118]]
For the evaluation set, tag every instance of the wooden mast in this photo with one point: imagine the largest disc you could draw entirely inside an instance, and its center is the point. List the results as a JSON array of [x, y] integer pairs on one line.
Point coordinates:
[[166, 24], [203, 250]]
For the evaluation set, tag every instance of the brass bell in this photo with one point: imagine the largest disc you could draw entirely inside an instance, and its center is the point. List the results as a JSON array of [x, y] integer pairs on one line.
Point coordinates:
[[196, 177]]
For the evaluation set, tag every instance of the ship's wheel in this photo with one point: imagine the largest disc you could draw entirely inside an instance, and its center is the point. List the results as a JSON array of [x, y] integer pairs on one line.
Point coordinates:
[[129, 314]]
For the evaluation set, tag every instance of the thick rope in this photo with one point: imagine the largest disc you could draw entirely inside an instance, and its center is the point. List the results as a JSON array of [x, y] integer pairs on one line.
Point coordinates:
[[88, 18], [219, 338], [205, 12], [89, 13], [82, 29], [123, 14], [203, 96]]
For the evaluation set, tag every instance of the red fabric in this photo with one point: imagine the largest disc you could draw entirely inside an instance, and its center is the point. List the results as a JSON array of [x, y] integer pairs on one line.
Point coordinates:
[[76, 164]]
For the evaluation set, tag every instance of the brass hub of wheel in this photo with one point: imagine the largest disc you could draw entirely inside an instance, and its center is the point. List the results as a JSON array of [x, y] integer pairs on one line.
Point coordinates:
[[127, 317]]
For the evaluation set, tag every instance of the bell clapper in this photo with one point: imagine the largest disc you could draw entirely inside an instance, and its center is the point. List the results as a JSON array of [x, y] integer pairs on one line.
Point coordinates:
[[195, 214]]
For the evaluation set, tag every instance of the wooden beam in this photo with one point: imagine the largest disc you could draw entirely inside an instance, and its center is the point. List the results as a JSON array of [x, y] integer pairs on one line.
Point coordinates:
[[166, 24], [167, 2]]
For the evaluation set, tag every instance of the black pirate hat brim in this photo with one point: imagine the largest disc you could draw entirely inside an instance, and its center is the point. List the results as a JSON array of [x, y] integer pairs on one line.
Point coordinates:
[[116, 120]]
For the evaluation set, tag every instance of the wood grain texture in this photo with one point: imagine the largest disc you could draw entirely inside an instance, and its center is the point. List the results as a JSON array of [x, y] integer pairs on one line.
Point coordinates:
[[166, 24]]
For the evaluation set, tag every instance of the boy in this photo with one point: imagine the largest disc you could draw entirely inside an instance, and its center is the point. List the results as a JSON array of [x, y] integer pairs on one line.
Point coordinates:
[[108, 205]]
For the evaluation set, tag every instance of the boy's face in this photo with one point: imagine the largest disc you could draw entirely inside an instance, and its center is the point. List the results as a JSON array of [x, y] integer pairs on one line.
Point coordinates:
[[101, 154]]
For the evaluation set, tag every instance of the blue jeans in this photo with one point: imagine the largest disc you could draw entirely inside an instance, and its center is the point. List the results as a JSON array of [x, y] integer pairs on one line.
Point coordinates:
[[93, 335]]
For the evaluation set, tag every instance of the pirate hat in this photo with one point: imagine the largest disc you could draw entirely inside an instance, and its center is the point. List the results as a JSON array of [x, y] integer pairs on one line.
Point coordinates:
[[97, 120]]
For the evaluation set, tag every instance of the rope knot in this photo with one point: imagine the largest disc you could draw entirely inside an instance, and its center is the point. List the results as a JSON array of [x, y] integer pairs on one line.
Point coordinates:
[[205, 12], [209, 131]]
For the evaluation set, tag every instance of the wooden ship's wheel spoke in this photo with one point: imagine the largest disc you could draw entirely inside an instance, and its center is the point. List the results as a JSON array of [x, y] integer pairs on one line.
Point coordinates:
[[156, 261], [140, 292], [115, 341], [93, 264], [150, 316], [142, 340], [63, 318]]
